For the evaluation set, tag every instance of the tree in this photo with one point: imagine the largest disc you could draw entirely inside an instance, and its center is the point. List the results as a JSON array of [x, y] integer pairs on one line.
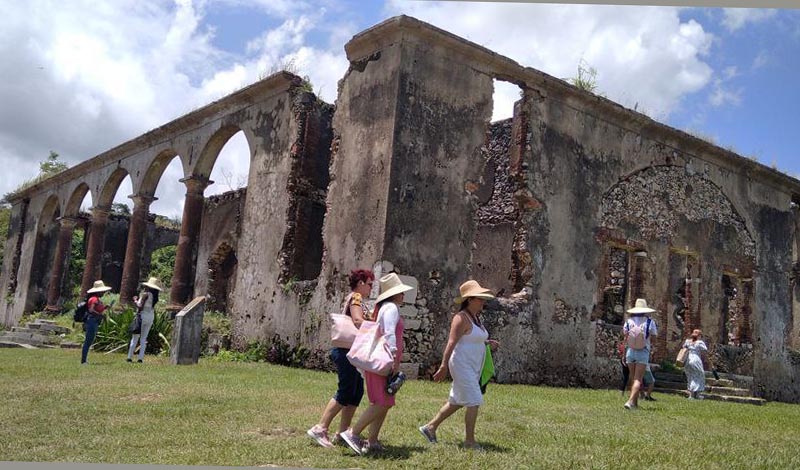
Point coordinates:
[[51, 166], [120, 208]]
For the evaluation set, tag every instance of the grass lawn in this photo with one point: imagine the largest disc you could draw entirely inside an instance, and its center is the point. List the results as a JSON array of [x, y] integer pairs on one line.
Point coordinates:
[[256, 414]]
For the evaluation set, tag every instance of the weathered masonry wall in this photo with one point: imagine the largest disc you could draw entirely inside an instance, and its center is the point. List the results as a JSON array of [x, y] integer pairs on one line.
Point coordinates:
[[216, 253], [573, 208]]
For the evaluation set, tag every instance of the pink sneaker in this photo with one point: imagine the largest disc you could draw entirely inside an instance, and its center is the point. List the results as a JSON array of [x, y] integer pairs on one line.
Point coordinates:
[[320, 435]]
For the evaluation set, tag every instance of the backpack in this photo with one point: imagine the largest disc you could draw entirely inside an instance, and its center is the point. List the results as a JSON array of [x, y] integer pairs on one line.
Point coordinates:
[[81, 311], [638, 335]]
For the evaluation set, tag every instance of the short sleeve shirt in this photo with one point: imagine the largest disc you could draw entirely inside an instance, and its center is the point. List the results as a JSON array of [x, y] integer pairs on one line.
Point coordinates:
[[95, 304]]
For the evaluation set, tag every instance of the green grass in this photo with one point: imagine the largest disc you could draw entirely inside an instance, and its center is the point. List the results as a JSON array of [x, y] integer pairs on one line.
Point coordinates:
[[250, 414]]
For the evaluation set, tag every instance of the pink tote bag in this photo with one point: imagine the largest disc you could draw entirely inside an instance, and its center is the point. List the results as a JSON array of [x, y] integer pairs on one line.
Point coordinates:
[[343, 330], [370, 351]]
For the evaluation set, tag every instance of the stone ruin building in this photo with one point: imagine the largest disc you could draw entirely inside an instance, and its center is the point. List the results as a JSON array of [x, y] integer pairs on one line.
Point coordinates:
[[573, 208]]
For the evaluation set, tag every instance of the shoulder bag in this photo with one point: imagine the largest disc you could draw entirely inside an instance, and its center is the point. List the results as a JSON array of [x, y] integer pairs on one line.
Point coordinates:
[[343, 331], [370, 351]]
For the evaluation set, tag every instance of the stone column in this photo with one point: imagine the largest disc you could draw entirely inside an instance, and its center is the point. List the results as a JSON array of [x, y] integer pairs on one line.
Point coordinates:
[[133, 250], [94, 249], [63, 245], [182, 275]]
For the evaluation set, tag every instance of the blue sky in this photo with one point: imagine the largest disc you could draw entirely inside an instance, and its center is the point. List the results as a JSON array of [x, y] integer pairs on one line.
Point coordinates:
[[82, 77]]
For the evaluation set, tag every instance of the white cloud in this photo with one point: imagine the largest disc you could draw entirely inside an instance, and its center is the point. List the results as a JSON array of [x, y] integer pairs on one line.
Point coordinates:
[[736, 18], [82, 77], [643, 55], [722, 95], [762, 59]]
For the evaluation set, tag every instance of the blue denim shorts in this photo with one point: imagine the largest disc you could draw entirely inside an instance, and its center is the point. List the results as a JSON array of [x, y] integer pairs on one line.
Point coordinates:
[[637, 356]]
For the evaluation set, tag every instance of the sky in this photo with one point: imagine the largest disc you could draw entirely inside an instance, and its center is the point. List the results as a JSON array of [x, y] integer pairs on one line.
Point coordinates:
[[81, 77]]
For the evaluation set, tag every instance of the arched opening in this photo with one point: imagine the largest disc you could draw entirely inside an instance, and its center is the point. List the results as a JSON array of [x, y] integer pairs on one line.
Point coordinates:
[[78, 208], [47, 230], [226, 159], [163, 181], [115, 193]]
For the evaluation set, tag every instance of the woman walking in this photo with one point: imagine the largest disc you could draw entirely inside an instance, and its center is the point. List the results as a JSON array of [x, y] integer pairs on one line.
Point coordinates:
[[146, 303], [388, 317], [638, 329], [463, 358], [96, 309], [350, 389], [695, 374]]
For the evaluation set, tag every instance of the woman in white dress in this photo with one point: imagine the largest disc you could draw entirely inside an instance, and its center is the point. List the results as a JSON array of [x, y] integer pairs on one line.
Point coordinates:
[[695, 374], [463, 359]]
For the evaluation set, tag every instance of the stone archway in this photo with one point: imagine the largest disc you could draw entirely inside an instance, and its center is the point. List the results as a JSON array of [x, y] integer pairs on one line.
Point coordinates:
[[696, 246], [221, 267], [47, 230]]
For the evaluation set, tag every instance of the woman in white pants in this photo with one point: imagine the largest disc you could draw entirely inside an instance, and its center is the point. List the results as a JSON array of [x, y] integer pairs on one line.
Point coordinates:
[[146, 304]]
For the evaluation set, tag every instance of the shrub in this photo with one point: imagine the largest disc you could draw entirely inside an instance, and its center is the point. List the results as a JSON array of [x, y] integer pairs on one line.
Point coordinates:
[[113, 332], [216, 333]]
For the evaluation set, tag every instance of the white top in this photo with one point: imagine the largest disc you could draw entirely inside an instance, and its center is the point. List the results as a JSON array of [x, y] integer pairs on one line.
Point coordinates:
[[388, 316], [147, 308], [640, 320]]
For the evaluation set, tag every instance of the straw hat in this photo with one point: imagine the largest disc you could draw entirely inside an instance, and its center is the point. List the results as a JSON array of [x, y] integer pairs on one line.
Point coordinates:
[[391, 285], [473, 289], [153, 283], [98, 286], [640, 308]]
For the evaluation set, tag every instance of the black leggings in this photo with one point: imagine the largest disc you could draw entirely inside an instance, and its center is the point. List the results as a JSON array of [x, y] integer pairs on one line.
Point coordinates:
[[626, 374]]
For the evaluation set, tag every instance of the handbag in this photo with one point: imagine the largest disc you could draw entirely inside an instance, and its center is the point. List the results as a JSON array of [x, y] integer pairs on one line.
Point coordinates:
[[136, 325], [681, 356], [343, 331], [370, 351], [487, 371]]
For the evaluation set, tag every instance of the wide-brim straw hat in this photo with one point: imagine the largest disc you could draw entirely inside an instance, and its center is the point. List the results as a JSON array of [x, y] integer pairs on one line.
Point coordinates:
[[640, 308], [391, 285], [98, 287], [473, 289], [153, 283]]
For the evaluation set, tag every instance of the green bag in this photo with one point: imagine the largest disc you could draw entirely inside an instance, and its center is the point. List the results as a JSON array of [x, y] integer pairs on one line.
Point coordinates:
[[487, 373]]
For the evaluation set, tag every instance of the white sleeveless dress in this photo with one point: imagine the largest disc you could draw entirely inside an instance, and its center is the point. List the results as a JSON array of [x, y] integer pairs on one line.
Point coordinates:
[[465, 365]]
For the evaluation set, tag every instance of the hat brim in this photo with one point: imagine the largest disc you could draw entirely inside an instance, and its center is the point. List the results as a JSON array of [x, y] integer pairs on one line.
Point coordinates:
[[640, 310], [480, 295], [393, 291], [98, 289], [152, 286]]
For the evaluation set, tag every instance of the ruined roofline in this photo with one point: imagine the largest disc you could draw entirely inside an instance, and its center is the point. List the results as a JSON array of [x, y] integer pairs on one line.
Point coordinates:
[[395, 29], [251, 94]]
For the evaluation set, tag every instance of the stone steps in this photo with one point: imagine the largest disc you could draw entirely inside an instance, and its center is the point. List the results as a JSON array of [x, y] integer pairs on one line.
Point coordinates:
[[38, 334], [12, 344], [714, 396], [682, 379], [48, 328]]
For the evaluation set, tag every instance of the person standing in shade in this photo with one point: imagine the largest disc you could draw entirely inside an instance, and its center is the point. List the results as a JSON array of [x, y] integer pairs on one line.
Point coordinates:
[[387, 315], [695, 373], [95, 309], [463, 358], [146, 303], [350, 388]]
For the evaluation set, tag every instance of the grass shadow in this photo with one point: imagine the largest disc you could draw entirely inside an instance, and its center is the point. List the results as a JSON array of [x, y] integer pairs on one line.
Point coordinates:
[[397, 453]]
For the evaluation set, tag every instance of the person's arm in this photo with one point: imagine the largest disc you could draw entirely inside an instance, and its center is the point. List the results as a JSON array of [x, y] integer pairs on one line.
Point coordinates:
[[141, 300], [390, 315], [456, 332], [357, 310]]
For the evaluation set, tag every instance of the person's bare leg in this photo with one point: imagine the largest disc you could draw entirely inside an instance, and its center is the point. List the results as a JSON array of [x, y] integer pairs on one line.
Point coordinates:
[[347, 417], [331, 410], [366, 418], [470, 418], [376, 424], [444, 412], [638, 373]]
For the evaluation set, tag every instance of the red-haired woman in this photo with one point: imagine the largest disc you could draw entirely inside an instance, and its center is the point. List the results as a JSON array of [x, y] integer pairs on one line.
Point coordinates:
[[351, 385]]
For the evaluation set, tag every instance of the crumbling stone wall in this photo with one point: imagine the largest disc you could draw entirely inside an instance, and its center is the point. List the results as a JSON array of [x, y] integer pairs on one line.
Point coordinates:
[[217, 243]]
